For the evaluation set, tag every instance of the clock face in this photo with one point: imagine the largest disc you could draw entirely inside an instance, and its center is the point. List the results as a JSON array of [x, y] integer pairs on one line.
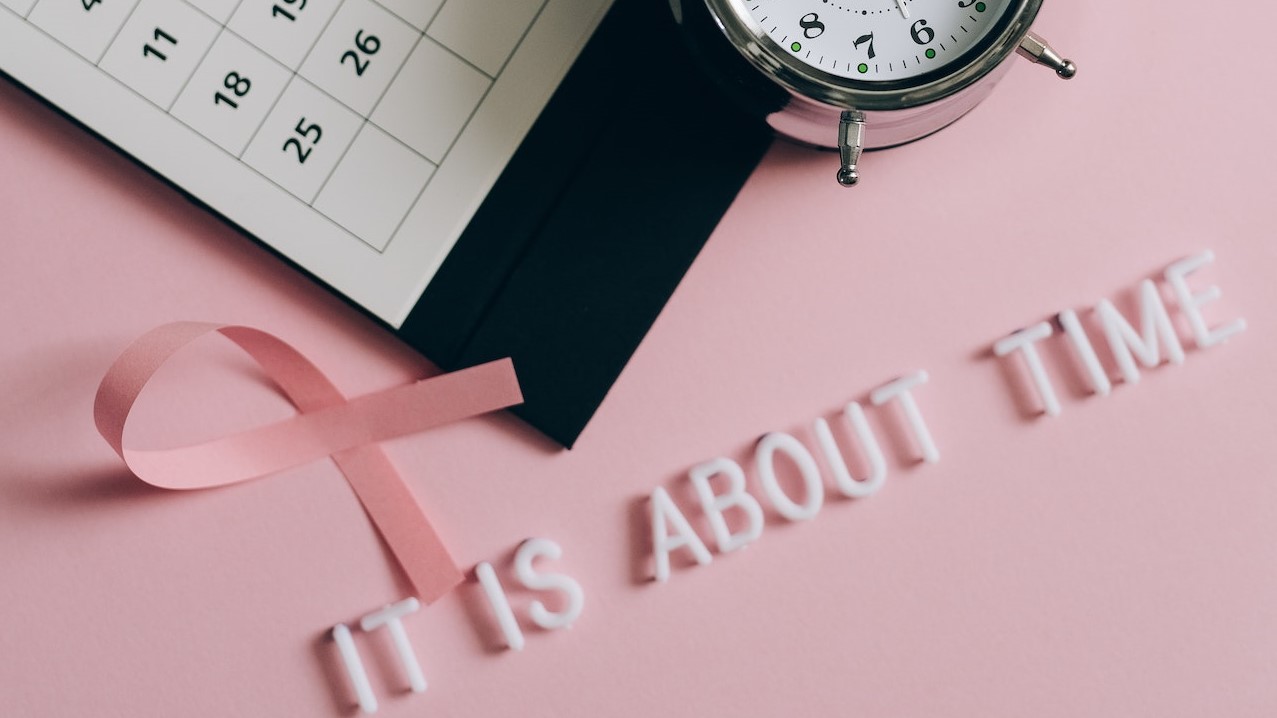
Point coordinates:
[[879, 41]]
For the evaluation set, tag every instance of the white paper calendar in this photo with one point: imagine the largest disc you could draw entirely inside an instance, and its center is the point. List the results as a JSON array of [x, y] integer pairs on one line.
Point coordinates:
[[356, 137]]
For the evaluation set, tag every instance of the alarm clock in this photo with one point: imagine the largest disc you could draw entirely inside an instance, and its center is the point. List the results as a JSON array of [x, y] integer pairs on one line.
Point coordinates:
[[856, 75]]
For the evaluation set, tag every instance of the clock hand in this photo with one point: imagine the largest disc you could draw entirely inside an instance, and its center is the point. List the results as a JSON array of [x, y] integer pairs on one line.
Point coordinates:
[[904, 10]]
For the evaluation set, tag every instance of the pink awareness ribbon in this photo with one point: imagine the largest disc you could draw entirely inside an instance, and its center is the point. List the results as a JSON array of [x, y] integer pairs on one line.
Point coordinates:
[[328, 424]]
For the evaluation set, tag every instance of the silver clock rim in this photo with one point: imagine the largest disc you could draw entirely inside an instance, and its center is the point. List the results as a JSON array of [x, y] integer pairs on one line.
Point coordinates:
[[802, 79]]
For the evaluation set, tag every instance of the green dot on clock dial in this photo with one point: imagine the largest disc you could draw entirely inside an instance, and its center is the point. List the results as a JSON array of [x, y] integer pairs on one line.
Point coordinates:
[[863, 68], [931, 54], [796, 47]]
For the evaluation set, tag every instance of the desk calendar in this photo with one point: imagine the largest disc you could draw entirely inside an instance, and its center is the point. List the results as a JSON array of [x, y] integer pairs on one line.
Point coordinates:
[[356, 137]]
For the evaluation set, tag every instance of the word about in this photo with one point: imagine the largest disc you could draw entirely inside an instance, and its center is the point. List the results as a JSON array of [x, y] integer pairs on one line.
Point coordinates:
[[671, 531]]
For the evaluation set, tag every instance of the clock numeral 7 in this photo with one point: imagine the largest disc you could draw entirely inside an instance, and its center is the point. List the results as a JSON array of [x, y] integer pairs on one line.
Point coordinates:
[[862, 40]]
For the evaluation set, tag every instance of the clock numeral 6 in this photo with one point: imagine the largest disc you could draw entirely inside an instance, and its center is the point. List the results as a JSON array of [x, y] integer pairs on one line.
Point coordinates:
[[921, 33], [811, 25]]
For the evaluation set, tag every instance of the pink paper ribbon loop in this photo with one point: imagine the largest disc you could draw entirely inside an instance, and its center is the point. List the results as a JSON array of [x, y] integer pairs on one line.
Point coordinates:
[[328, 425]]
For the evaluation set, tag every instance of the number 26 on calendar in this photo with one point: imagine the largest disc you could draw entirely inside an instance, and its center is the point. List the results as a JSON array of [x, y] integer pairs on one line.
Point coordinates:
[[368, 45]]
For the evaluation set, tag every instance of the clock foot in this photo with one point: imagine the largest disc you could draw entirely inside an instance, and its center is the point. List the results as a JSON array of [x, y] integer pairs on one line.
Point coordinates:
[[1038, 51], [851, 144]]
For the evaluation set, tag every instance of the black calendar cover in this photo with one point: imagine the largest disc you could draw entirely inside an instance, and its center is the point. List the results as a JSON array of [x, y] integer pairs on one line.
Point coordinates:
[[594, 222]]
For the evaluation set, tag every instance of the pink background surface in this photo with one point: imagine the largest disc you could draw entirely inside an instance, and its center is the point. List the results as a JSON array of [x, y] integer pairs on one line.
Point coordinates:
[[1118, 560]]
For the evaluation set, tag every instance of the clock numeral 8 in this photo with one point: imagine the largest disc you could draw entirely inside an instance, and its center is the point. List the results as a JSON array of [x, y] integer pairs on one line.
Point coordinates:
[[811, 25], [921, 33]]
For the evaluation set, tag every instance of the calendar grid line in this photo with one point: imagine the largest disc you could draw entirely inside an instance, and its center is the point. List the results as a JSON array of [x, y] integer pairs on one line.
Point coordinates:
[[221, 28], [318, 36], [522, 37], [337, 164], [367, 117], [484, 98], [395, 233], [115, 36], [450, 51], [469, 118], [426, 28], [271, 109], [169, 110], [204, 12], [382, 95], [465, 125]]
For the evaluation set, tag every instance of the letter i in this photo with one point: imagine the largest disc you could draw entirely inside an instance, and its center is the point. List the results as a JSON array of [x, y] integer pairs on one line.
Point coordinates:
[[500, 604], [354, 666], [1085, 352]]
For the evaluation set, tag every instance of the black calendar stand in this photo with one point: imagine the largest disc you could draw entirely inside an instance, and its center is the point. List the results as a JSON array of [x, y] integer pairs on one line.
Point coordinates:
[[595, 221]]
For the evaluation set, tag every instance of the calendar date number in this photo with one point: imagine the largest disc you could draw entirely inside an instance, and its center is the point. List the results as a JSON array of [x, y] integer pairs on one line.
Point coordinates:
[[288, 13], [365, 47], [237, 85], [161, 38], [304, 143]]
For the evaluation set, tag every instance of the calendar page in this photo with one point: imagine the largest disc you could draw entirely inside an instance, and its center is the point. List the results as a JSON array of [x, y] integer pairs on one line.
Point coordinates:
[[356, 137]]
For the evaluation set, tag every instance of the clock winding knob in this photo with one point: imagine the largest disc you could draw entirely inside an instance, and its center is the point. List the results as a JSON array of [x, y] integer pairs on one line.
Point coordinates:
[[1038, 51], [851, 144]]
